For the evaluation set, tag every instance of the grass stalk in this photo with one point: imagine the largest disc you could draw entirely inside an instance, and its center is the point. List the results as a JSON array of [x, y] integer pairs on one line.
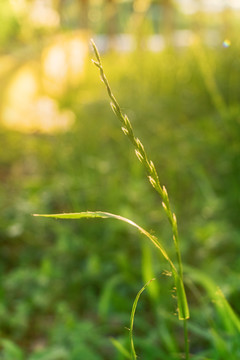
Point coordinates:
[[177, 271], [154, 181]]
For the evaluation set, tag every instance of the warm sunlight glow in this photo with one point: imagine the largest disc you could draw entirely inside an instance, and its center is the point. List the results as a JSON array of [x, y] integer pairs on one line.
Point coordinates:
[[28, 105], [19, 6], [63, 63], [26, 110], [55, 68], [41, 14], [77, 52], [213, 6], [24, 86]]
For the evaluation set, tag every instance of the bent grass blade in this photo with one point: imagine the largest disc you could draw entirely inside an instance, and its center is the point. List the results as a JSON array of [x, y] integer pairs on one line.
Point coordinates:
[[183, 312]]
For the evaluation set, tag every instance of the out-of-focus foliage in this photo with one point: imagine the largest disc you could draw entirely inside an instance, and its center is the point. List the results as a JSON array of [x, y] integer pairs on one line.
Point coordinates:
[[67, 287], [9, 24]]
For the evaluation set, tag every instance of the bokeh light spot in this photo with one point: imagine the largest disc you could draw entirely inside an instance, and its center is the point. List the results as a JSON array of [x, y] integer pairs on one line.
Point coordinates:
[[226, 43]]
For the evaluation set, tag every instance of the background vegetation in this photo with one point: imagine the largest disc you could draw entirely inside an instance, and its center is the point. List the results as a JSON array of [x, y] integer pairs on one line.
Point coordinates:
[[68, 287]]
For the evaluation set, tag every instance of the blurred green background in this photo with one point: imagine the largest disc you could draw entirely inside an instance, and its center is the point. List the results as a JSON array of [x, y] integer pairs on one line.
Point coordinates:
[[67, 287]]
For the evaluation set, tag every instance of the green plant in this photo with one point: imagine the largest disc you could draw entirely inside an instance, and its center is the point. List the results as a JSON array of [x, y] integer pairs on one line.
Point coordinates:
[[177, 271]]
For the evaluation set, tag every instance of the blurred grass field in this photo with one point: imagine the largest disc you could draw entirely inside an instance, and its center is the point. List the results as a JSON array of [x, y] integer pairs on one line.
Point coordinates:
[[68, 287]]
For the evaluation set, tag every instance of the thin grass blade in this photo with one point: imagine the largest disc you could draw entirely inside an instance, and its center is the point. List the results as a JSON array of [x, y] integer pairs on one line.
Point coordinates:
[[105, 215], [133, 352], [120, 348]]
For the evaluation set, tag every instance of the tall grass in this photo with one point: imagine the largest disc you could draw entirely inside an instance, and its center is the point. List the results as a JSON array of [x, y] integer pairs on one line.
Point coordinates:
[[153, 178]]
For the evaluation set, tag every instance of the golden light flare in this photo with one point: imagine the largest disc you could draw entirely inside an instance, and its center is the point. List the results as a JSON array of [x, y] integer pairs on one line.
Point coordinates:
[[27, 110], [42, 14], [19, 6], [28, 105], [63, 62], [39, 13]]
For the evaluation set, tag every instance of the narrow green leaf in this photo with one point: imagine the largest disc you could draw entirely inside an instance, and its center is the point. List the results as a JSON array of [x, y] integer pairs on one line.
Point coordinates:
[[105, 215], [120, 348], [232, 321], [133, 352], [183, 310]]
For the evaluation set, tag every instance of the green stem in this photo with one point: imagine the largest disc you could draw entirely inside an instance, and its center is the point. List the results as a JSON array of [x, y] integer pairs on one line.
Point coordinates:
[[186, 340]]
